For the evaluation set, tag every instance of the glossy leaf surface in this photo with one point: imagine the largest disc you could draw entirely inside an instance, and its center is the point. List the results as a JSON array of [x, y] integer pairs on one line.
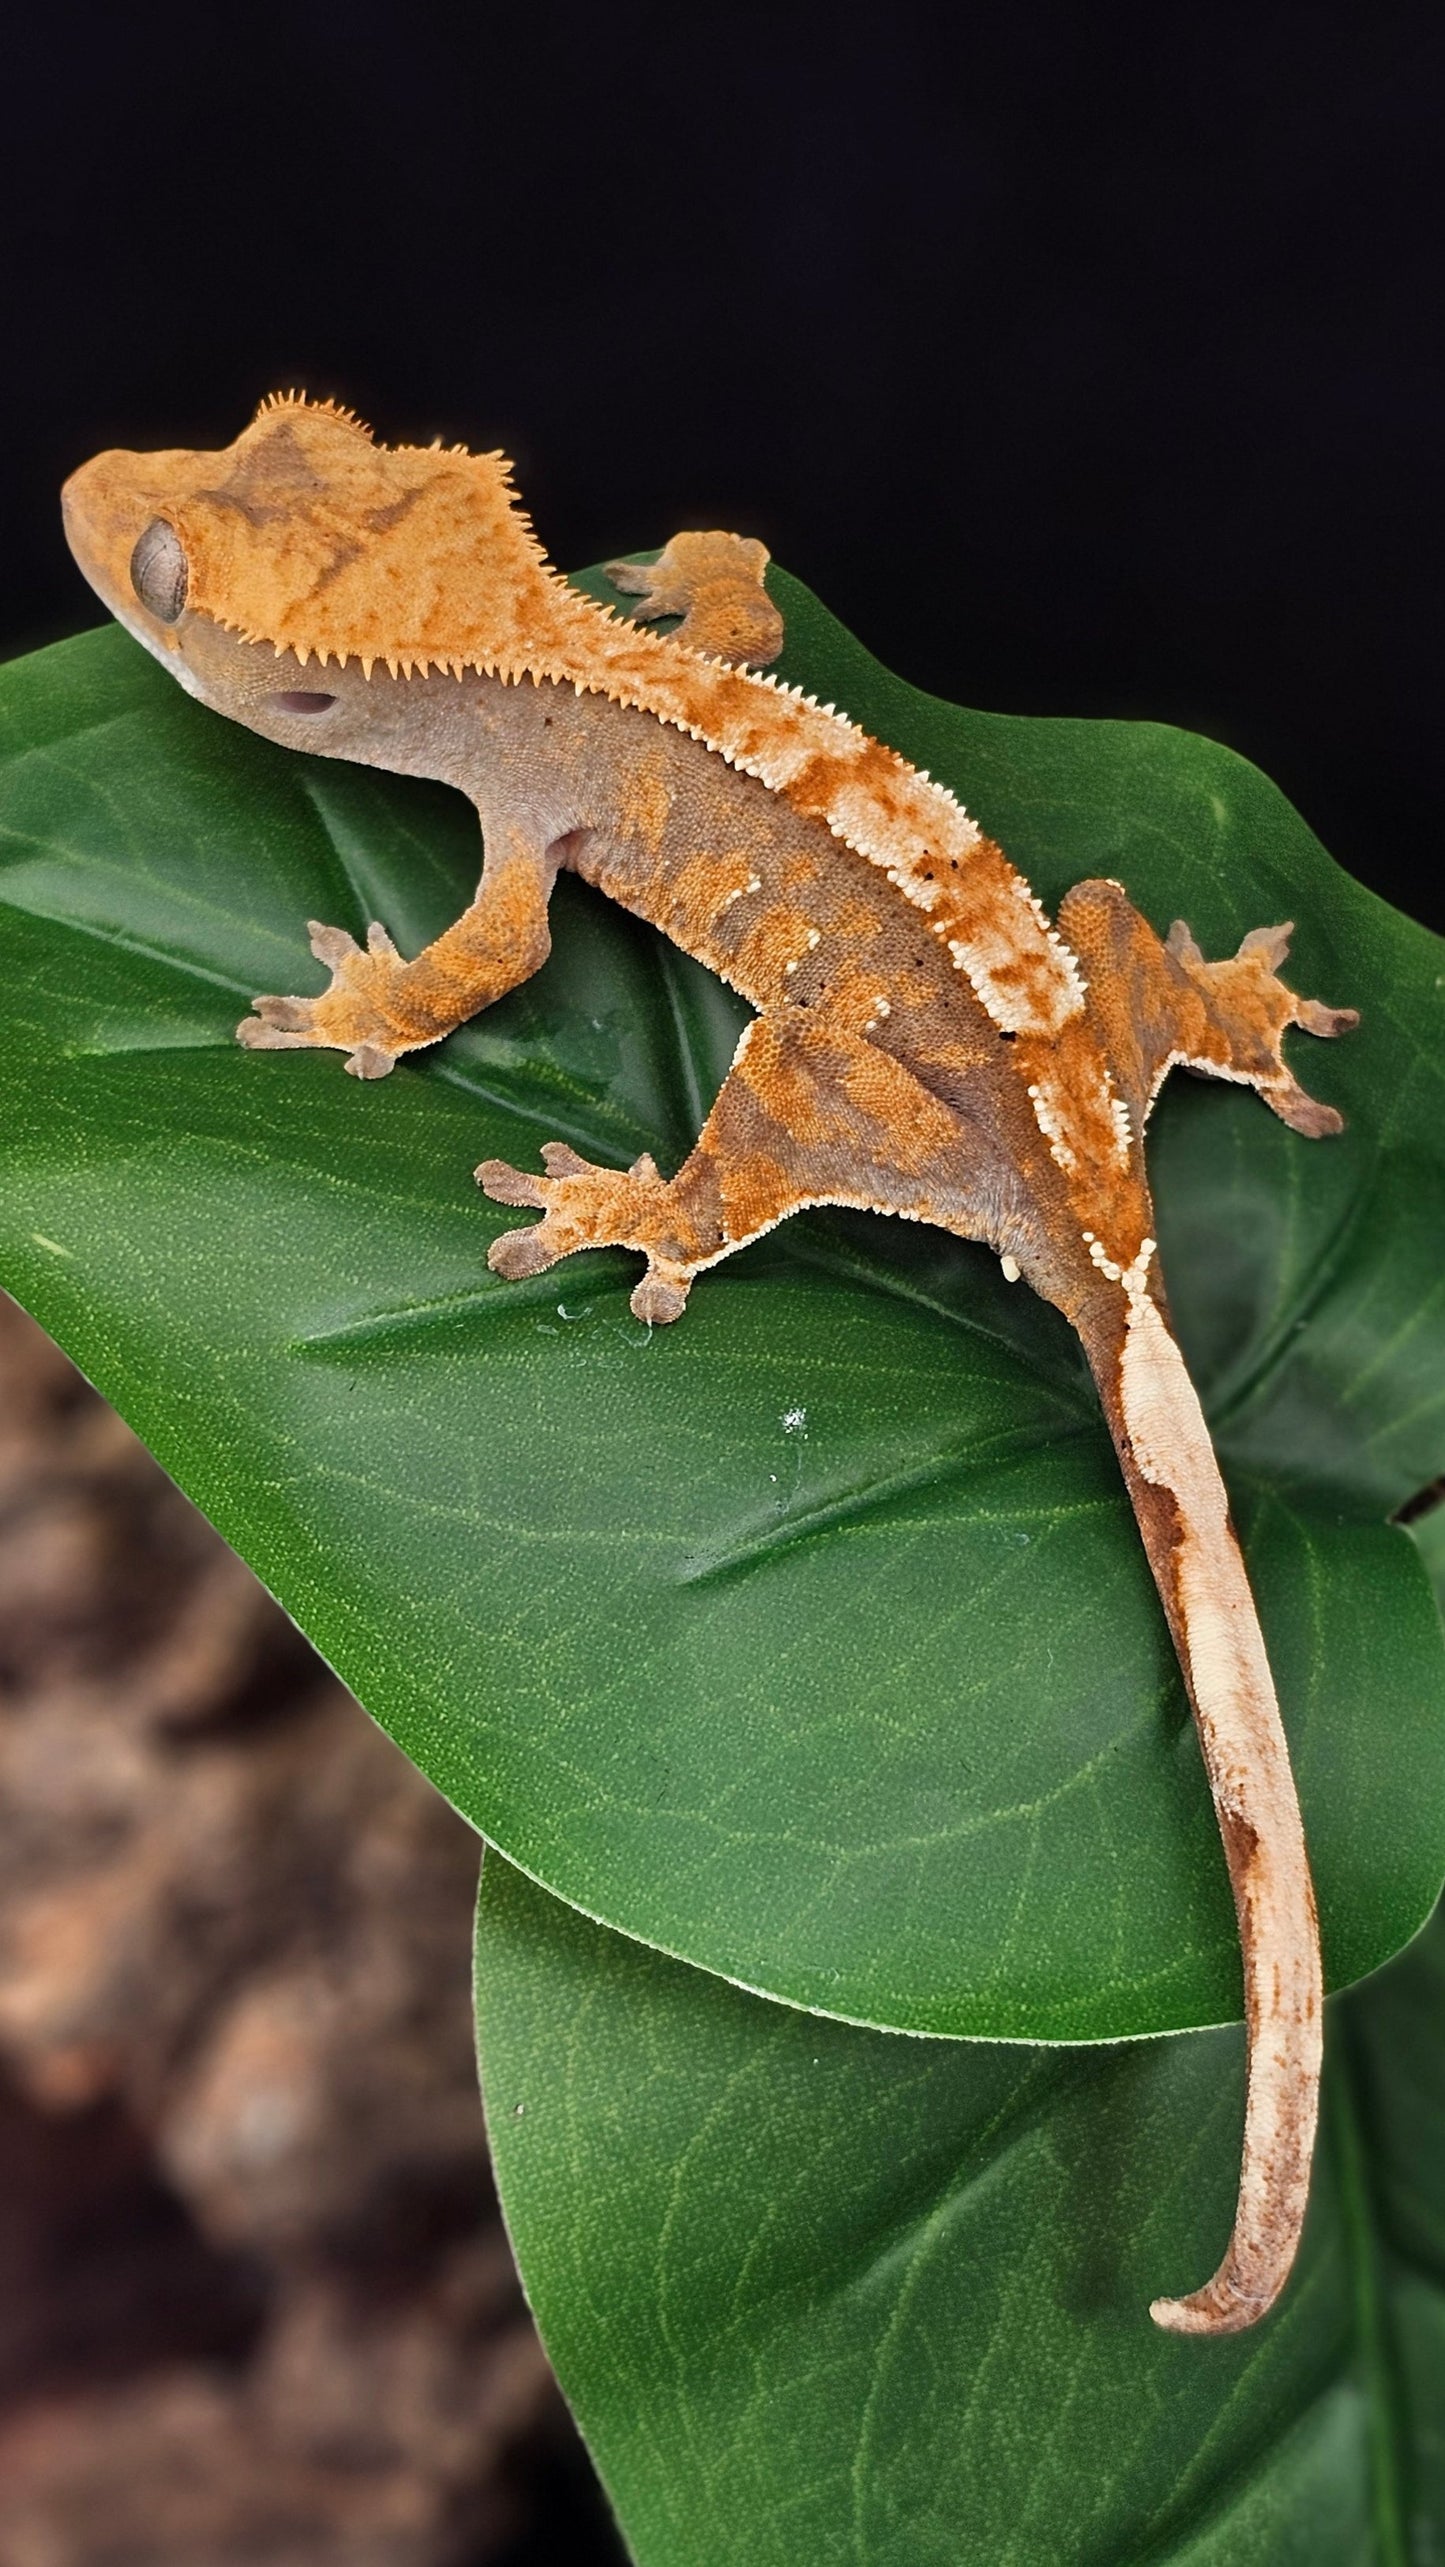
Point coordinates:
[[811, 1639], [822, 2293]]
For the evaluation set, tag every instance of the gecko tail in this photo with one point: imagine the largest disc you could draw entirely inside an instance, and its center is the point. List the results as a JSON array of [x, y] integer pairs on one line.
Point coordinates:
[[1272, 2197], [1179, 1498], [1280, 2114]]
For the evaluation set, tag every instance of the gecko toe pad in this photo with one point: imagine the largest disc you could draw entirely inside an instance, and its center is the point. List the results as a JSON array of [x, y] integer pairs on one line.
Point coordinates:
[[262, 1034], [519, 1253], [659, 1299]]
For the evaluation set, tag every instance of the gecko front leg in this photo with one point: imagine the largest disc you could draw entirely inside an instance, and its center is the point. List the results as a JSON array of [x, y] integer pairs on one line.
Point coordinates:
[[715, 583], [379, 1006]]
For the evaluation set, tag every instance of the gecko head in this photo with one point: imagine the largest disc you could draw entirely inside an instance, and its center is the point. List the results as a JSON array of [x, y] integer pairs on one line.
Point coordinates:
[[307, 541]]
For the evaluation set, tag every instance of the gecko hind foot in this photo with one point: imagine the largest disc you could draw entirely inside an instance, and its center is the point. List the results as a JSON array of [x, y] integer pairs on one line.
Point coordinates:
[[583, 1206]]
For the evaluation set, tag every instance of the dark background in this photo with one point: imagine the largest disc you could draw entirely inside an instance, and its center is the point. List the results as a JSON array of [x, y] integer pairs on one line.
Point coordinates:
[[1084, 359]]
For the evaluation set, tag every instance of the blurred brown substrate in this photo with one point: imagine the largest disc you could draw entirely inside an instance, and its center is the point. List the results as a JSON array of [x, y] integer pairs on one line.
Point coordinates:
[[256, 2306]]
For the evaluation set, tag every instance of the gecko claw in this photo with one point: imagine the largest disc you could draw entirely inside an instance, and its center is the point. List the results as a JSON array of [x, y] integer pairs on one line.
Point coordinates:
[[370, 1061], [379, 943]]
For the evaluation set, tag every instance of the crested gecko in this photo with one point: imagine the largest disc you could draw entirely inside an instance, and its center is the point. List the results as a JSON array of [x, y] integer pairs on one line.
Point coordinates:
[[926, 1041]]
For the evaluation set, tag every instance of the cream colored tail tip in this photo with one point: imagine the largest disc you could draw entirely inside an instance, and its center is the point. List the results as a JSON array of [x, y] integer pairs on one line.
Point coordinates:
[[1211, 2312]]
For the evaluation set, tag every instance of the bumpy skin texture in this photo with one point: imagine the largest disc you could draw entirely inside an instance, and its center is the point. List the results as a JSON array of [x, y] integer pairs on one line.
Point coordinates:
[[926, 1042]]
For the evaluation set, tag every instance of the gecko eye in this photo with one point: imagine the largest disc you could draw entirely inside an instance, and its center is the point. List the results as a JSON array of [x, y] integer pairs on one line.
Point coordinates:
[[159, 572]]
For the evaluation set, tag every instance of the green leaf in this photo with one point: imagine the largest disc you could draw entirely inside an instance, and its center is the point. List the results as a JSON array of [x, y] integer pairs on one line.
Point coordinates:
[[811, 1640], [818, 2293]]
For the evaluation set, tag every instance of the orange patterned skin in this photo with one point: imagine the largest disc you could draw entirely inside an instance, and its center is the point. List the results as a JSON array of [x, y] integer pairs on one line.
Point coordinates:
[[926, 1042]]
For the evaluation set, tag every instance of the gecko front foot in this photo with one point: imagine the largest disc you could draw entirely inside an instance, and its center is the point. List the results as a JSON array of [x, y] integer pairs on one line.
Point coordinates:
[[589, 1207], [352, 1016], [715, 583]]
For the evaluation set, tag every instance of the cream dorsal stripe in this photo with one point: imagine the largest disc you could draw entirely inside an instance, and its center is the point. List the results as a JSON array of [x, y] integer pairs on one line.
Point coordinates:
[[888, 811]]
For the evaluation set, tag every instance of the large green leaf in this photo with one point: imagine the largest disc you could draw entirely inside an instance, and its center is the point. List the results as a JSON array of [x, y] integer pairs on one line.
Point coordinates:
[[810, 1640], [824, 2294]]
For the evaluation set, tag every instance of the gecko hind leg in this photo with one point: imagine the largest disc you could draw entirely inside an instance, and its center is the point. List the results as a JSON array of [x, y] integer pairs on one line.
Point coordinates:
[[810, 1112]]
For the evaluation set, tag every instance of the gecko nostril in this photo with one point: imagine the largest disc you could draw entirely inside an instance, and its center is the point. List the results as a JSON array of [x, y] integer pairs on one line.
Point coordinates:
[[300, 700]]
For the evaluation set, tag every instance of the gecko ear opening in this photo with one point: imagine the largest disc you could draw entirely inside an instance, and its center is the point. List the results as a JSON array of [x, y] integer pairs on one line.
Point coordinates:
[[159, 571]]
